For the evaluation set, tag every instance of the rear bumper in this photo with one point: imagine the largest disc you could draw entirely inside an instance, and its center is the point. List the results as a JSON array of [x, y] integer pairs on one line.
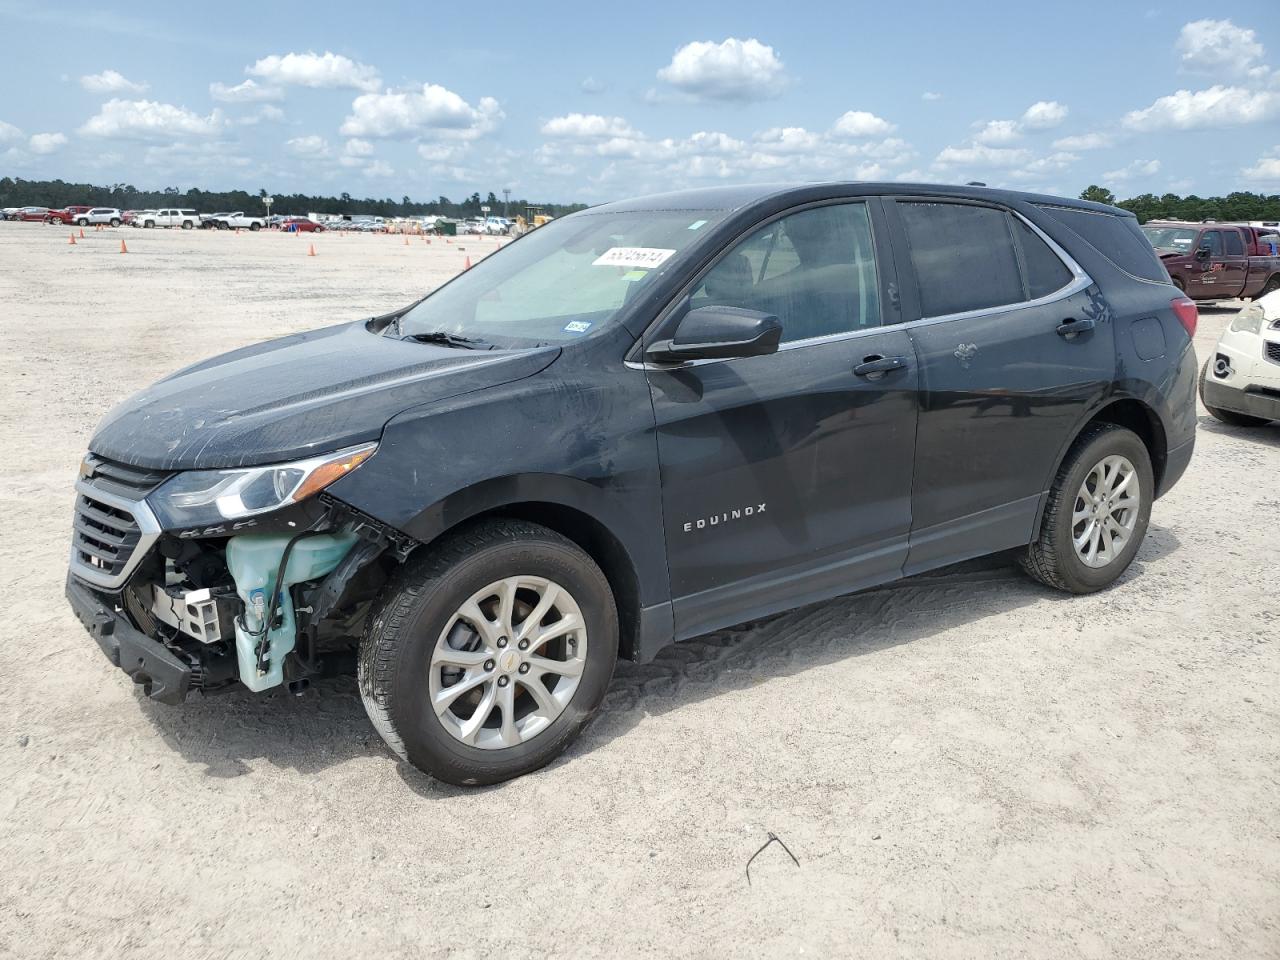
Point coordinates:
[[1175, 465], [148, 662], [1263, 405]]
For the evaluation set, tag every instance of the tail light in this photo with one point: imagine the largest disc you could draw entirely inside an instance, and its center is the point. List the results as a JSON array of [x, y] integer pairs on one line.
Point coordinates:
[[1184, 309]]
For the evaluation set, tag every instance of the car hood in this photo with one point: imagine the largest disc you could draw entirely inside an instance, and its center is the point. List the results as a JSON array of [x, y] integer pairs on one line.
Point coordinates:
[[294, 397]]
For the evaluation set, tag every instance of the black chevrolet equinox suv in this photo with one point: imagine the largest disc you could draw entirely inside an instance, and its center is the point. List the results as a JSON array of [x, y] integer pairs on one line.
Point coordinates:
[[634, 425]]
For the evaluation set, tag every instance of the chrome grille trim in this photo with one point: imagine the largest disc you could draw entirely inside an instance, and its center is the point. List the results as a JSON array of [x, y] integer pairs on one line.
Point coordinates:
[[124, 540]]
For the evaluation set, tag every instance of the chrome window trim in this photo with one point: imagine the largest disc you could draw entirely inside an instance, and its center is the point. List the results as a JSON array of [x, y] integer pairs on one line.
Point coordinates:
[[148, 534], [1079, 281]]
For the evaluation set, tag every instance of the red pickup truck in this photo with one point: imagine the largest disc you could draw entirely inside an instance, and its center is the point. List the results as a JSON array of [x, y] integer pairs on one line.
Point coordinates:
[[1218, 261]]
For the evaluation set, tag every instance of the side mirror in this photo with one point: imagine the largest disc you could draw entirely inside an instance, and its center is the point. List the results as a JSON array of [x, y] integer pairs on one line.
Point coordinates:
[[719, 333], [1202, 252]]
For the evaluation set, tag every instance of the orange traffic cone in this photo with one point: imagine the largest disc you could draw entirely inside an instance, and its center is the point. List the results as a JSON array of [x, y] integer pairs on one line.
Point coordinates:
[[428, 239], [73, 240], [468, 264], [82, 233], [406, 239], [311, 252], [123, 248]]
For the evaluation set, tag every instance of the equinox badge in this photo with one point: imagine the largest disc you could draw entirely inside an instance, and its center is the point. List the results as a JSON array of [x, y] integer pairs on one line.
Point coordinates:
[[716, 519]]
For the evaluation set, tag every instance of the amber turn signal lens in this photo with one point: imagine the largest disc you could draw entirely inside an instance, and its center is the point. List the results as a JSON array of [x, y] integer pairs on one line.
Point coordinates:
[[321, 477]]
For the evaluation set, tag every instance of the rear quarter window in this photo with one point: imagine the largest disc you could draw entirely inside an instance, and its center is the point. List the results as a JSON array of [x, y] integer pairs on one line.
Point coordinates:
[[1119, 239]]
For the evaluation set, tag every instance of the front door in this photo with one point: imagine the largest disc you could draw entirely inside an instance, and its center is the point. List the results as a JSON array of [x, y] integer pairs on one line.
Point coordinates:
[[786, 478], [1014, 344]]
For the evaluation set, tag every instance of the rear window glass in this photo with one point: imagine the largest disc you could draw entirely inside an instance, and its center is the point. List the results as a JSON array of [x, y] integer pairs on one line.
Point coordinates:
[[1045, 272], [1119, 239], [963, 255]]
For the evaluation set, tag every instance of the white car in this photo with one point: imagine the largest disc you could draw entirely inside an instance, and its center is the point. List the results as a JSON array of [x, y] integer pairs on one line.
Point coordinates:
[[237, 221], [100, 215], [1240, 383], [186, 219]]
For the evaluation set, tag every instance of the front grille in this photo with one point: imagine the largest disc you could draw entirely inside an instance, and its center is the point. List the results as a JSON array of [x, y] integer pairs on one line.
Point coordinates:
[[113, 527], [1273, 350]]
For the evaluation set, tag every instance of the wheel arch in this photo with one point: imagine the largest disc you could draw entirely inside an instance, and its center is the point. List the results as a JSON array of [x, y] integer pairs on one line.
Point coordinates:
[[1132, 414], [546, 501]]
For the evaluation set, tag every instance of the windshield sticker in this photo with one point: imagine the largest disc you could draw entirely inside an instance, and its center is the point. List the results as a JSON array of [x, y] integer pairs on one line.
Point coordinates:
[[577, 326], [696, 224], [632, 257], [635, 275]]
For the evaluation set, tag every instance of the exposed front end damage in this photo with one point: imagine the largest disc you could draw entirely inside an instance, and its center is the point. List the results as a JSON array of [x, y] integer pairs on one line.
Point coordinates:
[[268, 600]]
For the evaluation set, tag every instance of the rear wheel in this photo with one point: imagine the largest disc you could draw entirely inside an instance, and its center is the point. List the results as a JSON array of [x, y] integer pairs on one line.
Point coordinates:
[[115, 221], [1097, 513], [187, 225], [484, 659], [83, 222], [1229, 417], [254, 227]]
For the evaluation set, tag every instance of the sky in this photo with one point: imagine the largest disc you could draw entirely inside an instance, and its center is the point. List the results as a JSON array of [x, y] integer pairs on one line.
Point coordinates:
[[587, 102]]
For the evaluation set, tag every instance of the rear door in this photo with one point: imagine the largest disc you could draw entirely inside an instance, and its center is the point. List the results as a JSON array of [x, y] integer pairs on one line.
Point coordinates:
[[1014, 344], [1233, 267], [786, 478]]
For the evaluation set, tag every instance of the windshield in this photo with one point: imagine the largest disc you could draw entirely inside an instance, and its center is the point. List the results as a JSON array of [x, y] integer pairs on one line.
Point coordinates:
[[1178, 239], [561, 282]]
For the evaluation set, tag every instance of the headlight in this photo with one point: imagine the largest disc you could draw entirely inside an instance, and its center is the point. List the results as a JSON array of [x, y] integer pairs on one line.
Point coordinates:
[[1248, 320], [210, 496]]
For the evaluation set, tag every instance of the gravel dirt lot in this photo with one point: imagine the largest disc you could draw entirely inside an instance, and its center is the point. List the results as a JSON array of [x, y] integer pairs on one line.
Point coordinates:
[[965, 764]]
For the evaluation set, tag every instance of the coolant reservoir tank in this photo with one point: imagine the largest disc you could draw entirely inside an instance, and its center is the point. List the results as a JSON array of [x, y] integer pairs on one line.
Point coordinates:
[[254, 560]]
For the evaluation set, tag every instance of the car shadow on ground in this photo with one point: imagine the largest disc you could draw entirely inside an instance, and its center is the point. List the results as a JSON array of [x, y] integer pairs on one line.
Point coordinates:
[[1267, 434], [328, 725]]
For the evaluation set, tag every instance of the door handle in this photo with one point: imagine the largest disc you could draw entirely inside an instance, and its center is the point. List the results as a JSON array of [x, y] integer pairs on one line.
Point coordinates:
[[1069, 328], [876, 366]]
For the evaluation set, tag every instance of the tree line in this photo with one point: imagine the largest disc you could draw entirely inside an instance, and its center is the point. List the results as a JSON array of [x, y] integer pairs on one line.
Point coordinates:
[[1170, 206], [16, 192]]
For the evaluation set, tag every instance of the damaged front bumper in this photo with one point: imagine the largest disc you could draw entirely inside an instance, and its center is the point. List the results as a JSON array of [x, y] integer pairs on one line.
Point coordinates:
[[163, 675]]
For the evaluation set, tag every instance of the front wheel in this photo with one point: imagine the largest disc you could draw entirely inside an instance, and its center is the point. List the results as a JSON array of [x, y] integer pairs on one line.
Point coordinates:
[[187, 224], [1097, 514], [484, 659], [255, 227], [83, 222]]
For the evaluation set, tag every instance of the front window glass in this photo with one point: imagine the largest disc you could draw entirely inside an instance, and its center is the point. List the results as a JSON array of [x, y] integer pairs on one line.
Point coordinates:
[[564, 280], [814, 270], [1171, 239], [1212, 240]]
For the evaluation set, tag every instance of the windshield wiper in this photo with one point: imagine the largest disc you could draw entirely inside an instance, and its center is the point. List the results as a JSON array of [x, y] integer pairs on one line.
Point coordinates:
[[450, 340]]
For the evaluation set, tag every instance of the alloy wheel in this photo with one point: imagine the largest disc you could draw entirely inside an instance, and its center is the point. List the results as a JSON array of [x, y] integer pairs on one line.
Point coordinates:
[[508, 662], [1106, 511]]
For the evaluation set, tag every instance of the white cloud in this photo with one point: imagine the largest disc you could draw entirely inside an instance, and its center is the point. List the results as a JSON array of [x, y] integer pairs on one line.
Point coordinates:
[[731, 70], [9, 132], [1083, 141], [789, 140], [45, 143], [859, 123], [1218, 46], [1217, 106], [587, 126], [410, 113], [998, 131], [1044, 114], [591, 85], [248, 92], [319, 70], [149, 120], [930, 95], [378, 169], [312, 147], [1138, 168], [267, 113], [109, 81], [979, 155], [1042, 165], [358, 148], [1266, 170]]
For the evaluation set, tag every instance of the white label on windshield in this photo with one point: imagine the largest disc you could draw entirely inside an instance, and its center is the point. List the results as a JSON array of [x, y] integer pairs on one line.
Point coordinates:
[[632, 257]]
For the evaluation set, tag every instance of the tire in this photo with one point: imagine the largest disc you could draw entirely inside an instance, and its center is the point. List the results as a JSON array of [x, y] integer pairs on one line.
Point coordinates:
[[115, 221], [148, 224], [1177, 282], [1229, 417], [1052, 558], [186, 225], [406, 630], [1271, 286], [254, 227], [83, 222]]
